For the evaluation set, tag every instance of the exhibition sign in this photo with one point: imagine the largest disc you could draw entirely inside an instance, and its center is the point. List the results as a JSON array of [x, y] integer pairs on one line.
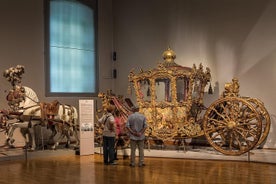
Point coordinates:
[[86, 112]]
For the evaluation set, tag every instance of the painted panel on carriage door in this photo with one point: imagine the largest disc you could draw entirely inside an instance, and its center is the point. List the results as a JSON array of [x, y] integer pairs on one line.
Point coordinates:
[[86, 113]]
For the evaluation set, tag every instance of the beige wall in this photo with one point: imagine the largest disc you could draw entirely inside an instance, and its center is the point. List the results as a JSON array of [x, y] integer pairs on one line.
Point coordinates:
[[22, 42], [232, 37]]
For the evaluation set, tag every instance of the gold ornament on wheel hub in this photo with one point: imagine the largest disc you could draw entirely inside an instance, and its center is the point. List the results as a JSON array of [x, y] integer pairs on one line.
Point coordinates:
[[231, 124]]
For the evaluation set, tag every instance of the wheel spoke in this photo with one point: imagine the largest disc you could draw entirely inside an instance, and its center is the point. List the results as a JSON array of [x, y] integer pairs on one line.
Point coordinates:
[[217, 121], [219, 114], [236, 136]]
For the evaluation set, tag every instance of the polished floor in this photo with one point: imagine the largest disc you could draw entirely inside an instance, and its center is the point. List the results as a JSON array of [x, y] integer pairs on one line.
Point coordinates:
[[65, 167]]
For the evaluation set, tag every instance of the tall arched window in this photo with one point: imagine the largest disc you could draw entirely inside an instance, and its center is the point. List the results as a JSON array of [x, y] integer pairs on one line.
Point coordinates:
[[71, 54]]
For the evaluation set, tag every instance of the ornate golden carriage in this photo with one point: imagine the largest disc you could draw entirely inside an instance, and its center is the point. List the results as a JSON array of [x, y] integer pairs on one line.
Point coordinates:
[[171, 98]]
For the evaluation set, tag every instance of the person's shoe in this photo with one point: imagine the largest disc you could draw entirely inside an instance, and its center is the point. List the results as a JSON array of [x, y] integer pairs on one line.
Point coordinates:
[[113, 163], [132, 165], [142, 165], [105, 163]]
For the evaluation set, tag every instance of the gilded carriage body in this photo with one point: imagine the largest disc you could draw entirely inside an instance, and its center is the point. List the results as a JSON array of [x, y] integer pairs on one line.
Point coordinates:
[[171, 97]]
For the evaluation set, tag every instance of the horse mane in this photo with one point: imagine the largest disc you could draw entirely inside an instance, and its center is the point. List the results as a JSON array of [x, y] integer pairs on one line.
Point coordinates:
[[31, 98]]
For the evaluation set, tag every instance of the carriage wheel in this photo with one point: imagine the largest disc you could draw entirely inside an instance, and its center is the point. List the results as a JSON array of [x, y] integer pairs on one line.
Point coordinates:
[[232, 125], [266, 123]]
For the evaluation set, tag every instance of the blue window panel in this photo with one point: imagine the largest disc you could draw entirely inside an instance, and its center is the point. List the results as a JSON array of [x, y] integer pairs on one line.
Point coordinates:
[[72, 48]]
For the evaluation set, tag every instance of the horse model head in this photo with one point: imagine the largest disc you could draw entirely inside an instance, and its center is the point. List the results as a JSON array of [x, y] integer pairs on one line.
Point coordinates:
[[21, 97]]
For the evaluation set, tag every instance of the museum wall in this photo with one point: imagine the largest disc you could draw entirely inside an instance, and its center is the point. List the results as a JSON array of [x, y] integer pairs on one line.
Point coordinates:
[[233, 38], [22, 42]]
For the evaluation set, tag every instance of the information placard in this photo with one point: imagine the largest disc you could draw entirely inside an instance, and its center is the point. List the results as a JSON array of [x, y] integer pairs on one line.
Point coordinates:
[[86, 111]]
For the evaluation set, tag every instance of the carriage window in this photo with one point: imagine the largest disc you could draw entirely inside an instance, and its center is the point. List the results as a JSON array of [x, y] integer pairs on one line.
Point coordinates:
[[196, 89], [70, 28], [163, 91], [181, 89], [144, 89]]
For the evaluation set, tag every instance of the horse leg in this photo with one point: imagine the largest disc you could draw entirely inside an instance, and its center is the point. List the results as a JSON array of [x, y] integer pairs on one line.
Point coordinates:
[[75, 134], [53, 134], [24, 132], [67, 133], [68, 140], [74, 131], [71, 131], [60, 137], [28, 132], [10, 140], [56, 130], [31, 136]]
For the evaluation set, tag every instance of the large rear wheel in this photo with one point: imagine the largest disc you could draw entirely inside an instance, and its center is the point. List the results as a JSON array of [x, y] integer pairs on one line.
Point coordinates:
[[266, 123], [232, 125]]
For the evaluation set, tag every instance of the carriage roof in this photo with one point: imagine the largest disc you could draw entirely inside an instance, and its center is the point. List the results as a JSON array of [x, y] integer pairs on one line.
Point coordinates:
[[193, 80], [165, 69]]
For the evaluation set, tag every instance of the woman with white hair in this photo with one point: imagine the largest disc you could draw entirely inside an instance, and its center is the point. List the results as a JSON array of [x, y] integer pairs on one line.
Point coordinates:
[[109, 134]]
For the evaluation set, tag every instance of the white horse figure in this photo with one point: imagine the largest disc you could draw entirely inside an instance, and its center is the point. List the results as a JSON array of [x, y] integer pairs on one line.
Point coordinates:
[[18, 118], [30, 113]]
